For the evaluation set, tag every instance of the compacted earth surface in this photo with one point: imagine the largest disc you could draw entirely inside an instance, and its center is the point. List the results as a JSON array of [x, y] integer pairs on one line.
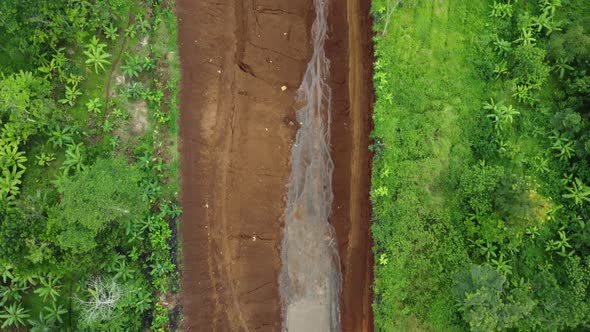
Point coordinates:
[[241, 63]]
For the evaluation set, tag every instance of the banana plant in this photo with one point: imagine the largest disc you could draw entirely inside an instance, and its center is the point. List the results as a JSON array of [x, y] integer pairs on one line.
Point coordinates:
[[111, 32], [55, 312], [501, 10], [132, 66], [142, 24], [579, 192], [72, 93], [561, 66], [526, 37], [10, 157], [42, 324], [14, 315], [12, 292], [501, 265], [487, 249], [10, 182], [48, 288], [560, 245], [501, 69], [44, 159], [502, 47], [74, 159], [60, 136], [124, 272], [94, 105], [96, 55], [500, 114], [564, 147]]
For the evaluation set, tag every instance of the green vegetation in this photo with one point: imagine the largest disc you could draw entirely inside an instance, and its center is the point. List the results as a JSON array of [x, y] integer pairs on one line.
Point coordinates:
[[481, 177], [88, 165]]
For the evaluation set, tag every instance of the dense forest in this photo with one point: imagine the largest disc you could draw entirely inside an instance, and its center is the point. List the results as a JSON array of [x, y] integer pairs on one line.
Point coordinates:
[[88, 211], [481, 177]]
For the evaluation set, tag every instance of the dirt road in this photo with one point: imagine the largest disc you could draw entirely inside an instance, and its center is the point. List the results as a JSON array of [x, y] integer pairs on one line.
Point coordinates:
[[237, 126]]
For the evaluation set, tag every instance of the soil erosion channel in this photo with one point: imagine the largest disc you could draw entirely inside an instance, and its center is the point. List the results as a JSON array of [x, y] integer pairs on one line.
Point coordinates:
[[238, 125]]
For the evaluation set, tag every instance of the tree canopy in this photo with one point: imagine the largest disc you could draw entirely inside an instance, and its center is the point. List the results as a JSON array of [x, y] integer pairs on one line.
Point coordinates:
[[105, 195]]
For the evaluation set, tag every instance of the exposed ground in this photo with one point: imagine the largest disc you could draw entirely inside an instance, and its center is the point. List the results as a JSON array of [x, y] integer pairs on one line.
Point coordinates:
[[351, 124], [237, 126]]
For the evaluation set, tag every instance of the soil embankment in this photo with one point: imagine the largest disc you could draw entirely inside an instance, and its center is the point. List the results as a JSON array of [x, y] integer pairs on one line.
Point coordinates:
[[237, 126], [351, 53]]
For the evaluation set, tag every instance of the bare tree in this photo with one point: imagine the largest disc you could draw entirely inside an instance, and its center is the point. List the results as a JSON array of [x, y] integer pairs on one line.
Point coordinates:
[[104, 294], [391, 6]]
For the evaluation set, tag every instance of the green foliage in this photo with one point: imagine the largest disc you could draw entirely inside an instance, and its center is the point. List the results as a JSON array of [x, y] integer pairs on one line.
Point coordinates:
[[96, 54], [106, 195], [132, 66], [94, 105], [161, 319], [480, 213], [579, 192], [12, 164], [74, 159], [55, 312], [48, 288], [42, 323], [111, 32], [68, 210], [530, 68], [60, 136], [24, 104], [72, 93], [14, 315], [483, 304], [44, 159]]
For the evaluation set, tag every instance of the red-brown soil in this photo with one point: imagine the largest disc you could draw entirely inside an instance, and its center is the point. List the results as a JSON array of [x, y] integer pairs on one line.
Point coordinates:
[[350, 50], [237, 126]]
